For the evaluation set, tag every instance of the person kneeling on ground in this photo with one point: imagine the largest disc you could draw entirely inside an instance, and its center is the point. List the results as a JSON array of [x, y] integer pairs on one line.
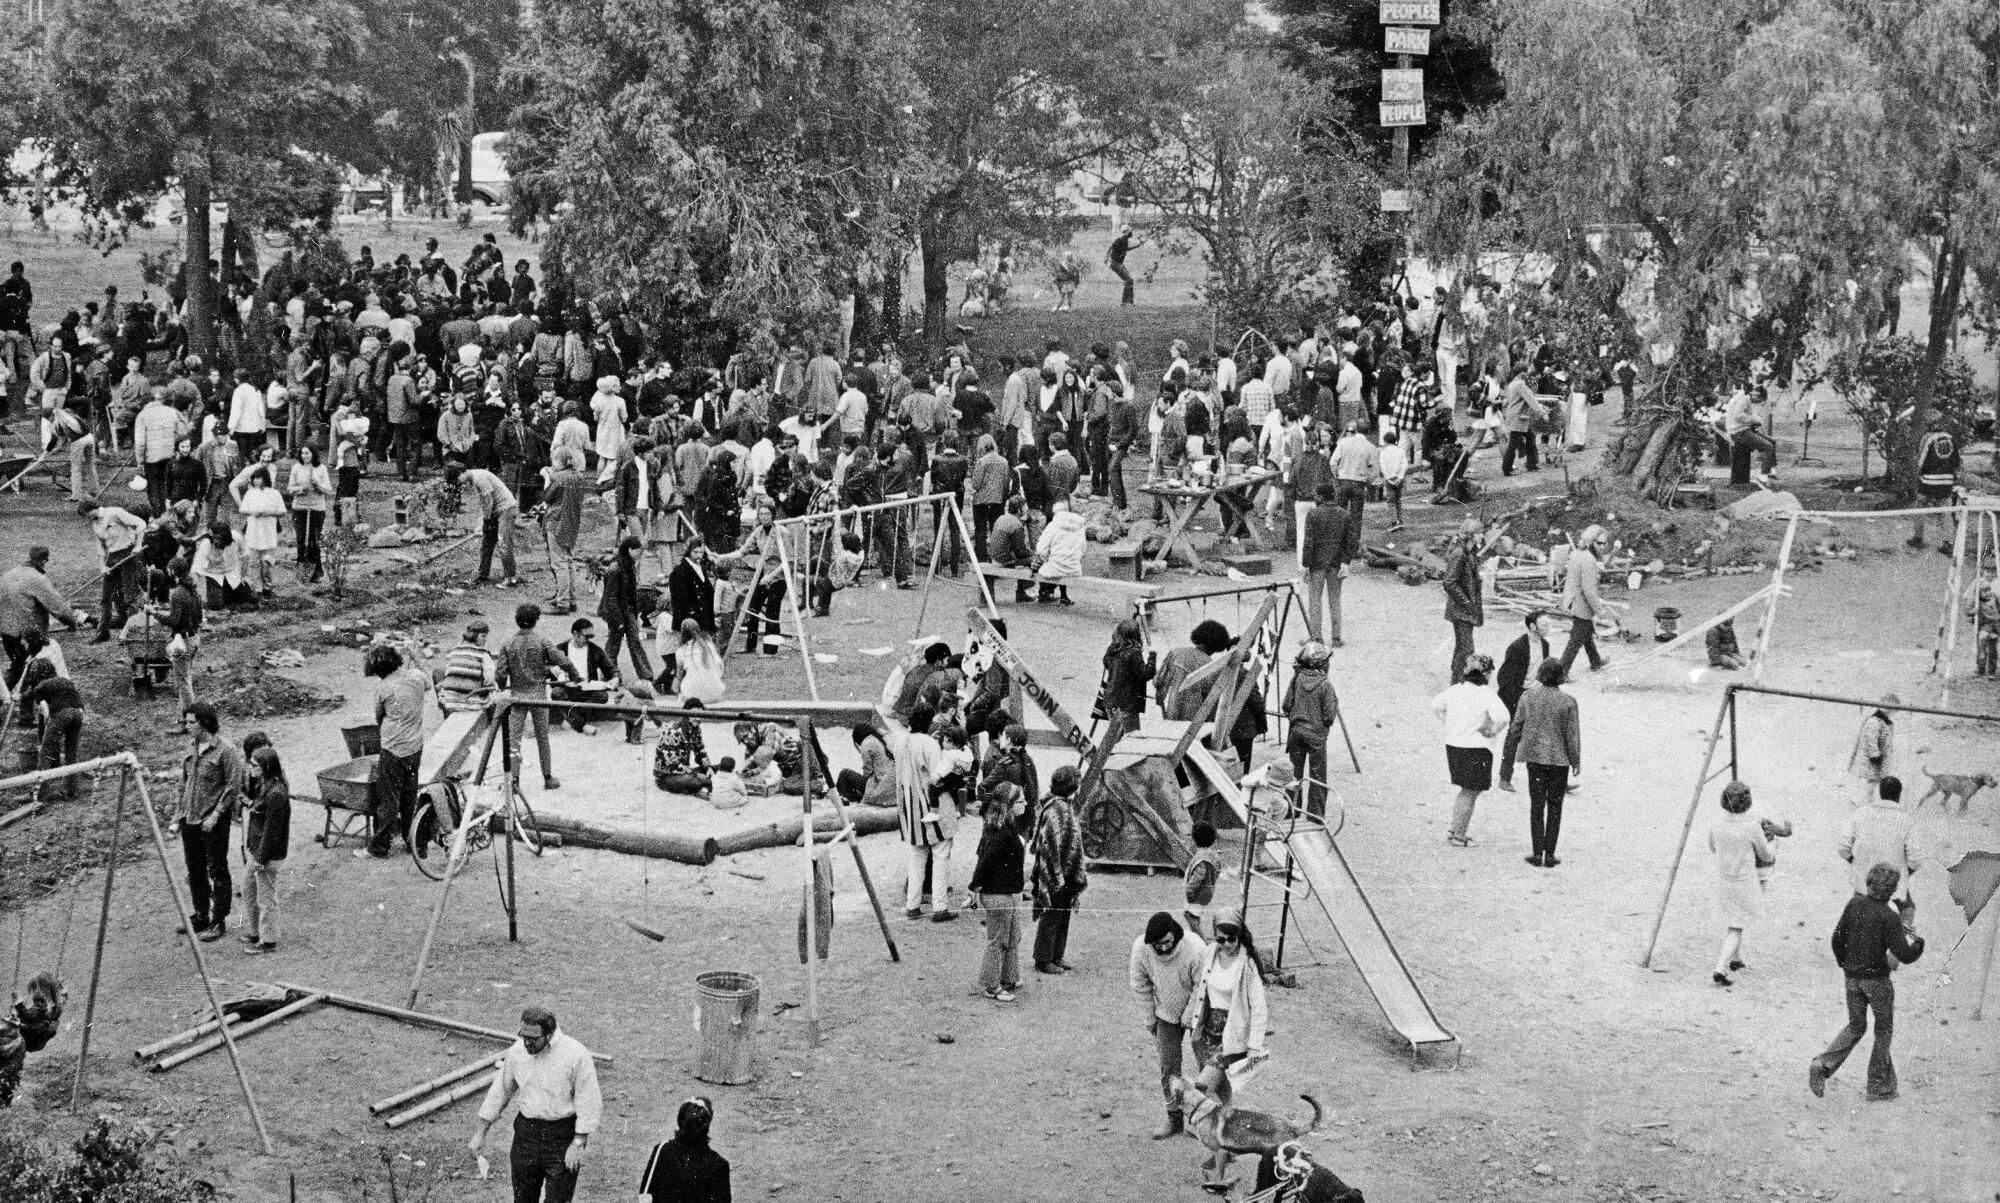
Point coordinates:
[[725, 788], [875, 784], [680, 762]]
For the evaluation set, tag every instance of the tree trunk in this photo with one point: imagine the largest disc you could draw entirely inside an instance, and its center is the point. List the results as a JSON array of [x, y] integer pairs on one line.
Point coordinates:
[[1947, 284], [200, 315], [1657, 445], [892, 297], [937, 283]]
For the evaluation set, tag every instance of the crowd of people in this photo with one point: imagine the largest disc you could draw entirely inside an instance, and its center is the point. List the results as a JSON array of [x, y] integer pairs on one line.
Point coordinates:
[[527, 402]]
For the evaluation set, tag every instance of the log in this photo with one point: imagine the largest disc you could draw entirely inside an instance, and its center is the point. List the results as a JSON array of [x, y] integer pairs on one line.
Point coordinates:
[[236, 1031], [418, 1018], [439, 1102], [1657, 445], [490, 1061], [867, 821], [686, 849]]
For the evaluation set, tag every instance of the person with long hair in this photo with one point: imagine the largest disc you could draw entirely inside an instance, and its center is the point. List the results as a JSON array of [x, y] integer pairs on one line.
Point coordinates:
[[263, 507], [685, 1169], [1059, 877], [620, 609], [311, 487], [267, 823], [1227, 1012]]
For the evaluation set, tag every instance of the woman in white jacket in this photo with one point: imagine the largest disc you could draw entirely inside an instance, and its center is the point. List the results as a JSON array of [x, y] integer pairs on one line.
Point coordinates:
[[1059, 553], [1227, 1012], [263, 507]]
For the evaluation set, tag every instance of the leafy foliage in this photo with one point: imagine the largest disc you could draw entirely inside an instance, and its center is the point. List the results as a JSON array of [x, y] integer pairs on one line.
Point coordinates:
[[1878, 382], [732, 160], [1228, 162], [107, 1164]]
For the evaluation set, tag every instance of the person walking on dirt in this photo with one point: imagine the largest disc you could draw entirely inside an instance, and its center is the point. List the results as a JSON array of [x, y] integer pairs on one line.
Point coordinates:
[[1874, 746], [1549, 741], [1517, 668], [1869, 940], [211, 787], [1114, 258], [1742, 853], [1059, 878], [1880, 834], [999, 877], [1464, 607], [553, 1078], [1166, 966], [1473, 716], [1311, 709], [1581, 599], [685, 1169]]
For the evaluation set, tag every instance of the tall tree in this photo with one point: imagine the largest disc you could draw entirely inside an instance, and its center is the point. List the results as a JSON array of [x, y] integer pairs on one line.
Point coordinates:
[[226, 100], [732, 159], [1024, 95], [1248, 162], [1338, 45], [1709, 173]]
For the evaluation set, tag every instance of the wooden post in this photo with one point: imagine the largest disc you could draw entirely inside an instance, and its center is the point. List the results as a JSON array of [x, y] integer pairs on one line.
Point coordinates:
[[1948, 624], [972, 556], [930, 580], [1777, 591], [799, 616], [489, 1061], [236, 1031], [806, 757], [1725, 713], [194, 946], [97, 950], [1986, 959], [453, 860]]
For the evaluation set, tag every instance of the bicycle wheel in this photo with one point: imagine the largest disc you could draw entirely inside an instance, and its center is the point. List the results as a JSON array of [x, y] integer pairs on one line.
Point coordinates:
[[431, 831], [524, 825]]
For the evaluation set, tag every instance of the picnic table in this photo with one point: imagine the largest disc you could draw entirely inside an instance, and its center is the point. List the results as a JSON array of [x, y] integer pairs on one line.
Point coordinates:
[[1184, 499]]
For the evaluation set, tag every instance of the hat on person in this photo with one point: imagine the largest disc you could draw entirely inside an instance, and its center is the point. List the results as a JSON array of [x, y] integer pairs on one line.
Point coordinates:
[[1314, 653], [343, 306]]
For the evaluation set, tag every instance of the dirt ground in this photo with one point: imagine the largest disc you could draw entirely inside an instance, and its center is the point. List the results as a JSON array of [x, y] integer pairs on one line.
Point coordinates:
[[1583, 1077]]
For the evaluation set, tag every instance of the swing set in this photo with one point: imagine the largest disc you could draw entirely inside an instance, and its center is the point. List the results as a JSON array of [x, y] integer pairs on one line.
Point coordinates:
[[130, 775]]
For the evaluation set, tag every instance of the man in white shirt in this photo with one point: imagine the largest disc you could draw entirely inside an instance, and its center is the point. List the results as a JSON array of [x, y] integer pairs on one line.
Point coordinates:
[[1278, 374], [1347, 387], [554, 1080], [852, 411], [1225, 378]]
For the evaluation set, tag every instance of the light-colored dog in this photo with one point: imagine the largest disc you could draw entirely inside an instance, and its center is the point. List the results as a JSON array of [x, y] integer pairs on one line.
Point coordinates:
[[1226, 1130], [1962, 786]]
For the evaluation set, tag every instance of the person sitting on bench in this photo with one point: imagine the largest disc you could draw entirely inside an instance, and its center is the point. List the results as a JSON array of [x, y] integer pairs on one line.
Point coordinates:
[[1059, 554], [1007, 543]]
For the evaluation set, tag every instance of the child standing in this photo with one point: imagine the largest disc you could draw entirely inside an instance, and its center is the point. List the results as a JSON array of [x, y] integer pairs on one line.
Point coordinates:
[[267, 828], [1395, 463], [1986, 627], [1198, 883]]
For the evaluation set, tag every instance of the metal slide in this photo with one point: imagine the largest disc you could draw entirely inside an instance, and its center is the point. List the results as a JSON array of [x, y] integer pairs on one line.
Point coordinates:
[[1318, 859]]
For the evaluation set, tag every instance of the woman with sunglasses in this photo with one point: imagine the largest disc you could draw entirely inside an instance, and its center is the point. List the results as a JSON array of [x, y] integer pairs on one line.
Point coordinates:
[[1227, 1012]]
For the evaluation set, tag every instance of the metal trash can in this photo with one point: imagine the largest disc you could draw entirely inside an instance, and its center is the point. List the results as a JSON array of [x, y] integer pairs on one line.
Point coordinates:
[[725, 1019], [1666, 624]]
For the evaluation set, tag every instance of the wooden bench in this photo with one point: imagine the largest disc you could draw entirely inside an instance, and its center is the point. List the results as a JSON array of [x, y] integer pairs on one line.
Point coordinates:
[[994, 572], [1127, 558]]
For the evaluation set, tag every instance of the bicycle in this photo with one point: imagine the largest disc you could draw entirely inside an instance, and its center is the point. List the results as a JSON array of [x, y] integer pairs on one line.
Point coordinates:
[[452, 822]]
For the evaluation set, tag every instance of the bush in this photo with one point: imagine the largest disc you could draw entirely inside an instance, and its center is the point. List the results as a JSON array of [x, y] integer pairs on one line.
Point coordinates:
[[1878, 383], [105, 1165]]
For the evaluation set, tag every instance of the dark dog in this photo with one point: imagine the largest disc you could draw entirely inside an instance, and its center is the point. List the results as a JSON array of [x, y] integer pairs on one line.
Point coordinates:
[[1226, 1130], [1962, 786]]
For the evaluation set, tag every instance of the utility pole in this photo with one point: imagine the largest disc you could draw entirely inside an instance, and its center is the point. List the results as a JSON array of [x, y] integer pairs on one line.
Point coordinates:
[[1405, 36]]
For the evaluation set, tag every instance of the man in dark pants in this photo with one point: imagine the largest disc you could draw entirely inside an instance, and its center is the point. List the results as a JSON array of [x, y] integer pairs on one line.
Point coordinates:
[[555, 1080], [1114, 258], [1059, 878], [1524, 656], [399, 715], [1870, 932], [211, 788], [1123, 432], [1549, 740], [1463, 608]]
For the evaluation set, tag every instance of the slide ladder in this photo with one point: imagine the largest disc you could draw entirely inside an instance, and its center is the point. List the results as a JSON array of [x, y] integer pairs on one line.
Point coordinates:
[[1318, 859]]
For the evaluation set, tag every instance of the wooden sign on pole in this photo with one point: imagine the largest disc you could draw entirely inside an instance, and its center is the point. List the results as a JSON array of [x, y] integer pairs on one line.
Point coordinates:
[[1406, 113], [1411, 12], [1395, 200], [1401, 39], [1401, 86]]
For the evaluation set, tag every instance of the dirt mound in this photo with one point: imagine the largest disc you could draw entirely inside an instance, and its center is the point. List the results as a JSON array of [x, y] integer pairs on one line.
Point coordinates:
[[249, 690]]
